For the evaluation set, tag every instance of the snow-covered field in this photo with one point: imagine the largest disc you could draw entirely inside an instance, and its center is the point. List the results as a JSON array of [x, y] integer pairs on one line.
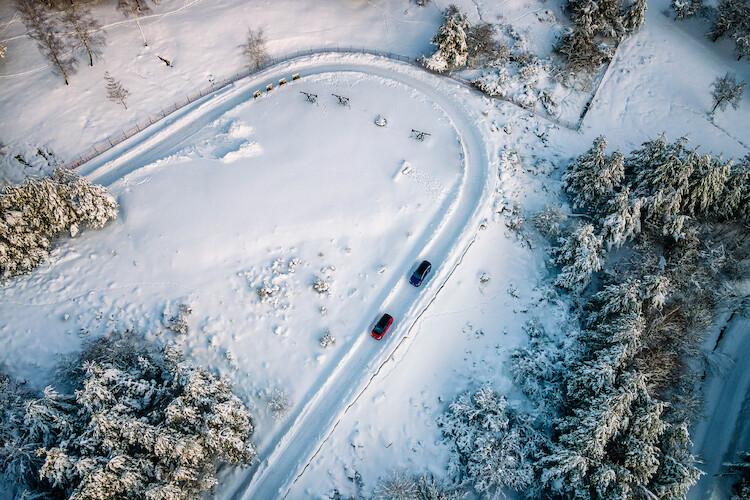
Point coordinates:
[[233, 193]]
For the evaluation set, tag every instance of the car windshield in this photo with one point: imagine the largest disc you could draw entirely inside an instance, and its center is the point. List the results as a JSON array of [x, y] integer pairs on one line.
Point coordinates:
[[423, 268], [382, 324]]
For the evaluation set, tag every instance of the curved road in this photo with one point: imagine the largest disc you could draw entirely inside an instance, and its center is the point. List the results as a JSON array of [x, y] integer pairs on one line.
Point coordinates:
[[444, 241]]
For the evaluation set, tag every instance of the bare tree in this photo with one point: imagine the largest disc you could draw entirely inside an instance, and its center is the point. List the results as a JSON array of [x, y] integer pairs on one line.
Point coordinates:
[[55, 46], [87, 29], [726, 91], [115, 91], [135, 8], [254, 49]]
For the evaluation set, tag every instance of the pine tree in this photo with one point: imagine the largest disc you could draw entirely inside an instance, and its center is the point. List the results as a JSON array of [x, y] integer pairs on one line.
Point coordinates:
[[662, 173], [54, 45], [496, 445], [581, 51], [38, 210], [733, 20], [115, 91], [594, 176], [622, 219], [451, 41], [581, 256], [142, 423], [685, 9], [726, 91], [634, 16], [735, 202], [707, 184]]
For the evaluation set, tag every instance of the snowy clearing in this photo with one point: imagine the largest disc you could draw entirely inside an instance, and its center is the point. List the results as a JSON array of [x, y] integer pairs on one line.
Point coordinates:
[[237, 207]]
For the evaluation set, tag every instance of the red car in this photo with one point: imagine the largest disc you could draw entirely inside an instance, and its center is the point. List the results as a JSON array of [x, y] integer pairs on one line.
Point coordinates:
[[382, 326]]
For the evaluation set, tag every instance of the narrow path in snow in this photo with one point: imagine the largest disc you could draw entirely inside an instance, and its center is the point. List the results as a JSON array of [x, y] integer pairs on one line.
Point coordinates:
[[444, 241]]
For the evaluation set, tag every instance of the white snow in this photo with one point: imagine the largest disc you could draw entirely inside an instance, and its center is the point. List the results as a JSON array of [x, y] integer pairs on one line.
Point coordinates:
[[222, 196]]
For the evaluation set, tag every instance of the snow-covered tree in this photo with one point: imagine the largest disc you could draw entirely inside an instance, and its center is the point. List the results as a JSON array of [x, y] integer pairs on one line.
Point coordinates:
[[684, 9], [115, 91], [594, 176], [581, 256], [735, 202], [726, 91], [733, 20], [708, 184], [582, 52], [55, 45], [598, 26], [603, 17], [549, 220], [678, 470], [39, 209], [622, 221], [482, 47], [17, 460], [537, 367], [451, 42], [2, 51], [634, 16], [398, 485], [662, 176], [496, 445], [141, 423]]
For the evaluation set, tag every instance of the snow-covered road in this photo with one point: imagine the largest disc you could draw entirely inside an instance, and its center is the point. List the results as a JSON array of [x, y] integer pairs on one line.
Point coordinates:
[[443, 242]]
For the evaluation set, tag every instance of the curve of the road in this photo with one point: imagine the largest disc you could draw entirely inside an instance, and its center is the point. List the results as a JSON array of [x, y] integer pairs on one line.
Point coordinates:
[[444, 241]]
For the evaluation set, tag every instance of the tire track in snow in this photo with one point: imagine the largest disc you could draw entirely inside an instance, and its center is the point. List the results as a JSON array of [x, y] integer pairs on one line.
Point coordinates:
[[445, 240], [404, 340]]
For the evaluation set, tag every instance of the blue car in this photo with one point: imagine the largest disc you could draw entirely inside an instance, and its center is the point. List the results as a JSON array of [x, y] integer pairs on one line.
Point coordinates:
[[420, 273]]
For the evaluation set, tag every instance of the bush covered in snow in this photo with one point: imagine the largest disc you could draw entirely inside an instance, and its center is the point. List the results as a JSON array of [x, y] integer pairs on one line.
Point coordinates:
[[33, 213], [137, 422], [327, 339], [549, 221], [495, 445], [399, 484], [279, 404]]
